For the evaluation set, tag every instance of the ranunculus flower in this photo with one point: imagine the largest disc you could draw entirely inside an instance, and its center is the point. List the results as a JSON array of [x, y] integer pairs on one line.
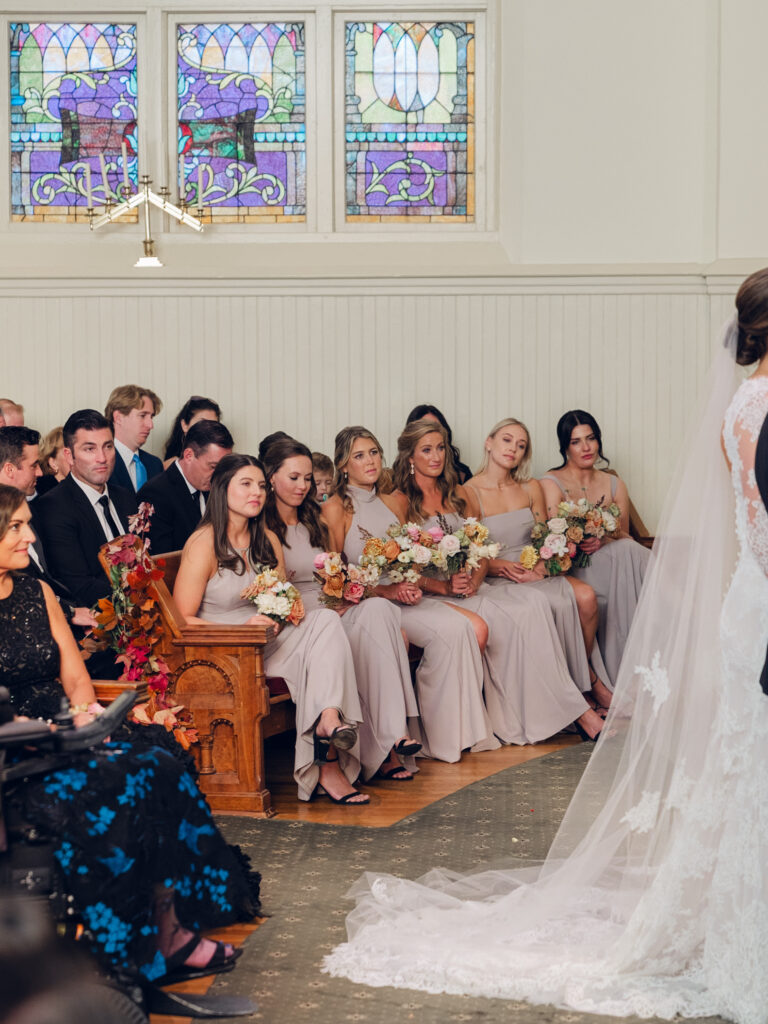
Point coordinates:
[[354, 592], [319, 562], [546, 553], [413, 531], [449, 545]]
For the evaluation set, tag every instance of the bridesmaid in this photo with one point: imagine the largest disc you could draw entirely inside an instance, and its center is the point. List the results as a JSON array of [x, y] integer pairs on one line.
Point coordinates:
[[528, 691], [372, 627], [618, 563], [218, 562], [510, 502], [449, 677]]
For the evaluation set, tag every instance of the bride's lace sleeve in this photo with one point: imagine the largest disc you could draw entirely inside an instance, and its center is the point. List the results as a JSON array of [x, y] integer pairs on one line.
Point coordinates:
[[740, 436]]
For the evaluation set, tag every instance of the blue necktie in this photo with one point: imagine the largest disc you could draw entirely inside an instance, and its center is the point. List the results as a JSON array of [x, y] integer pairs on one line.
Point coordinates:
[[141, 472]]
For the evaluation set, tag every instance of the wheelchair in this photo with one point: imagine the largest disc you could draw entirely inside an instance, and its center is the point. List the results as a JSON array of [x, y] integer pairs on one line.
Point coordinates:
[[28, 870]]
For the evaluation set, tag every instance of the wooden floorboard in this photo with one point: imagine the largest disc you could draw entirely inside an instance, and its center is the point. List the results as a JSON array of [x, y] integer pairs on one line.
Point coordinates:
[[390, 803]]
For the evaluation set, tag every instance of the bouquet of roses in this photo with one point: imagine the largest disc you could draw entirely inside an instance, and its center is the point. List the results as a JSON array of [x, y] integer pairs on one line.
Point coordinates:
[[402, 554], [343, 583], [557, 541], [274, 597], [461, 549]]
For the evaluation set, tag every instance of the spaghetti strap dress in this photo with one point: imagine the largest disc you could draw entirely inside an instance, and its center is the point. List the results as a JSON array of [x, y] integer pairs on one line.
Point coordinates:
[[449, 676], [313, 658], [379, 656], [529, 693], [615, 573]]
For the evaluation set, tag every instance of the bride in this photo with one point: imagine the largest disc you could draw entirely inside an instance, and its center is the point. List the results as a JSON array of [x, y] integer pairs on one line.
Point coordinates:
[[653, 900]]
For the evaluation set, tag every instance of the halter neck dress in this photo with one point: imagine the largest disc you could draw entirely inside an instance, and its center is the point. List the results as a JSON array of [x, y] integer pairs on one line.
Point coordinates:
[[616, 575], [529, 693], [513, 531], [313, 658], [379, 656], [449, 676]]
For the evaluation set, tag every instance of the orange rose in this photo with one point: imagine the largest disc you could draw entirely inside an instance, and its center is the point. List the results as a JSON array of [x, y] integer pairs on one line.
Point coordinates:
[[297, 612], [391, 550], [575, 533], [565, 562]]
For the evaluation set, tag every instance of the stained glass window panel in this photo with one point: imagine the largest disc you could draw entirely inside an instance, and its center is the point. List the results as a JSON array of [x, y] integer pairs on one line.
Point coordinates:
[[241, 116], [73, 118], [410, 116]]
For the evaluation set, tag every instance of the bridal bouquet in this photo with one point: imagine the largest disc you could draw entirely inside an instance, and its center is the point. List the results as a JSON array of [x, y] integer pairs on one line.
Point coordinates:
[[275, 597], [461, 549], [402, 554], [342, 583]]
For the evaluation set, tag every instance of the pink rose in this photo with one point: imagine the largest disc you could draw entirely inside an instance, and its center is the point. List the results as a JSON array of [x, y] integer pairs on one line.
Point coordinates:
[[319, 562], [546, 552], [436, 534], [572, 550], [413, 532], [353, 592]]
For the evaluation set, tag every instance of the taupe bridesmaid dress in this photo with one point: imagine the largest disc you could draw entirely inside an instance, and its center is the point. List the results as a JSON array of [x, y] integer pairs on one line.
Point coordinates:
[[616, 575], [529, 693], [513, 531], [314, 659], [449, 677], [382, 673]]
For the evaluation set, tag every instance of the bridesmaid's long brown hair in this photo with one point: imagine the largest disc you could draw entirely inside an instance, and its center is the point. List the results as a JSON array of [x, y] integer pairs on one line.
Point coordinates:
[[308, 511], [260, 551], [404, 481]]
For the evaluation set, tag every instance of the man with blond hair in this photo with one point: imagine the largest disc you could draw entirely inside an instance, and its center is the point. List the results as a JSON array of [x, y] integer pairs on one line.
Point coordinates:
[[131, 410], [11, 413]]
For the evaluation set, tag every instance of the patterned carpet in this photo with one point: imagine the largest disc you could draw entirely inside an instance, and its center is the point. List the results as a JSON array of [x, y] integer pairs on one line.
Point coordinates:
[[307, 868]]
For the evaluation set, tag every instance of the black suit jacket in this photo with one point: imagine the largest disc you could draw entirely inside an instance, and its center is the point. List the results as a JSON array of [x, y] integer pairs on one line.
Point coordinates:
[[122, 478], [176, 515], [72, 535]]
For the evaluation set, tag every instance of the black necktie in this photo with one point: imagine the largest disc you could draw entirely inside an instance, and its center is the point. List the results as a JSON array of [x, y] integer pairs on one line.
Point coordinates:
[[104, 502], [196, 499]]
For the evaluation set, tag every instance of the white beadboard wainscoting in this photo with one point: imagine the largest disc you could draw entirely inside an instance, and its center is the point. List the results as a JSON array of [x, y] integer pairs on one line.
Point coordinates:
[[309, 357]]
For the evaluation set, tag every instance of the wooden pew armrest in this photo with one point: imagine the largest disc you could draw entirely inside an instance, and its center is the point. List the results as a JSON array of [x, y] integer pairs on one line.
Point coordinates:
[[224, 635]]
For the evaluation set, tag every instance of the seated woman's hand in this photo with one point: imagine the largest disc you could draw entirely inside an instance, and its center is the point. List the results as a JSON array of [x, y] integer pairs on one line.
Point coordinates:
[[462, 585], [264, 620], [520, 574], [590, 545], [407, 593], [504, 569]]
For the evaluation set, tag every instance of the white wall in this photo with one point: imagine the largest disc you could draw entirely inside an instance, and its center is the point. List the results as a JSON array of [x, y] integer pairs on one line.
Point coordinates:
[[624, 177]]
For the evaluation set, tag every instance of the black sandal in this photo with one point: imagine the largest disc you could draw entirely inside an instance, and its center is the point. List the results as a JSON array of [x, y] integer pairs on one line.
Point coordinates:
[[179, 970], [392, 773], [407, 747]]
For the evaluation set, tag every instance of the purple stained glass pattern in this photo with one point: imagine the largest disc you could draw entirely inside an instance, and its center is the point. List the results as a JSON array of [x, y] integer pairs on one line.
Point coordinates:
[[73, 118], [241, 116], [409, 133]]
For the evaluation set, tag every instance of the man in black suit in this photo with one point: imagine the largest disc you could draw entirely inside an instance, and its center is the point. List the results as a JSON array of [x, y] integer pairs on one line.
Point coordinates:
[[82, 512], [131, 410], [178, 495]]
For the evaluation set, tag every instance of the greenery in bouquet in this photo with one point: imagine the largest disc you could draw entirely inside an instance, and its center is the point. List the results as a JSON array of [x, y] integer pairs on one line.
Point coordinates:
[[274, 597], [342, 583]]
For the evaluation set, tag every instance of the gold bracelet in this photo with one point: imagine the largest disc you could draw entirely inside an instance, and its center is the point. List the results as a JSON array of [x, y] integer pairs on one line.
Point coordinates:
[[78, 709]]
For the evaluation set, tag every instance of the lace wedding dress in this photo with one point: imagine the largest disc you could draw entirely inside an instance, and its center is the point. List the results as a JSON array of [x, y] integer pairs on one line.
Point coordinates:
[[654, 898]]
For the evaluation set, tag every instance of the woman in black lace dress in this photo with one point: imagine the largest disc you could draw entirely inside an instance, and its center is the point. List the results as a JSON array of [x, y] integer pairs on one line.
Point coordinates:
[[135, 843]]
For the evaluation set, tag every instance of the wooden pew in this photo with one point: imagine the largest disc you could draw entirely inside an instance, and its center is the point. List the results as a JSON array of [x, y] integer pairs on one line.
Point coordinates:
[[217, 672]]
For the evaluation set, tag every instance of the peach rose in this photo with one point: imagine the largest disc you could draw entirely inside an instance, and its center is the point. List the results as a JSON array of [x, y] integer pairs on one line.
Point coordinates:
[[297, 612], [391, 550], [334, 586], [576, 534]]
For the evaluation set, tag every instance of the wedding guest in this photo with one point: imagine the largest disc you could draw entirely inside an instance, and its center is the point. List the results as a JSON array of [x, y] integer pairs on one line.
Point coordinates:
[[449, 675], [52, 462], [120, 840], [20, 458], [218, 562], [528, 690], [510, 502], [131, 410], [322, 473], [194, 409], [179, 493], [618, 563], [12, 412], [83, 511], [431, 412], [372, 627]]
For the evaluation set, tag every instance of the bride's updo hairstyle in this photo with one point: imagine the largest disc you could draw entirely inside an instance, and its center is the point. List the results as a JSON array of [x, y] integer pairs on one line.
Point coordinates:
[[260, 551], [11, 500], [752, 309], [565, 427], [345, 439], [279, 452], [405, 481]]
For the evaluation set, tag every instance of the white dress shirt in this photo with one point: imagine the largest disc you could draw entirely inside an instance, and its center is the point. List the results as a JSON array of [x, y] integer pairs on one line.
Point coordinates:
[[190, 488], [93, 496], [127, 455]]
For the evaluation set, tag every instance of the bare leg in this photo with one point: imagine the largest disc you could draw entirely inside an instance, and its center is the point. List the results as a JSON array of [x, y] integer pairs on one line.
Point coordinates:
[[586, 602], [171, 936], [332, 779], [591, 723], [479, 625]]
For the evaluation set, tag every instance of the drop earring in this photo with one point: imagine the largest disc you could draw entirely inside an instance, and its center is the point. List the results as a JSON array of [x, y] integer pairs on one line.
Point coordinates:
[[346, 476], [412, 470]]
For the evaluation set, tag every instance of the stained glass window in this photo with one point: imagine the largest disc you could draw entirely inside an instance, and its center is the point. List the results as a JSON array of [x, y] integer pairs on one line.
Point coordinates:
[[241, 113], [410, 115], [73, 118]]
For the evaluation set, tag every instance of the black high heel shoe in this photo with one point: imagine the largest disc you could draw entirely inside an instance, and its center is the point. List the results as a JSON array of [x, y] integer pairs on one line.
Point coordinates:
[[343, 737], [584, 734]]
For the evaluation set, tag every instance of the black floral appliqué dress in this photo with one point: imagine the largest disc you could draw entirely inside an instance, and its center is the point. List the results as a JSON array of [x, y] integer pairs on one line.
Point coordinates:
[[125, 816]]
